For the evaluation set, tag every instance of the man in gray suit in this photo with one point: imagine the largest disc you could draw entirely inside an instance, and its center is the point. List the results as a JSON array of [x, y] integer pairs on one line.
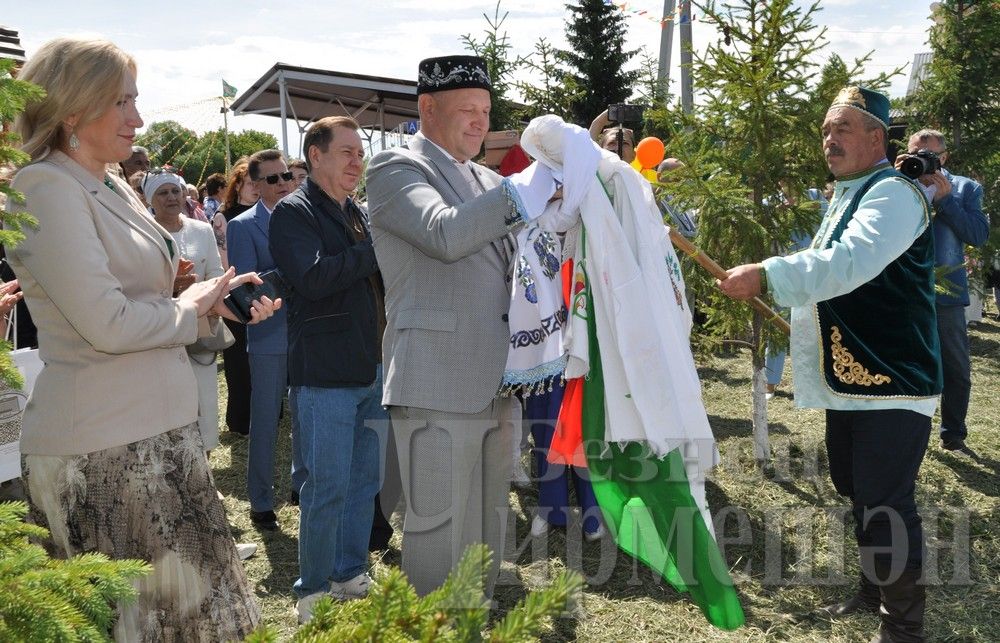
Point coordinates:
[[441, 228]]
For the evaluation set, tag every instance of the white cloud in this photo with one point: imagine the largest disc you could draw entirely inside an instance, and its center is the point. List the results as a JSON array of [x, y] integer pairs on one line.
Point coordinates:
[[182, 61]]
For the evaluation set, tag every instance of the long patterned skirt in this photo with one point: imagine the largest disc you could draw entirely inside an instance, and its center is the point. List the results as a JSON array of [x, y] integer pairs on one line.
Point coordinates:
[[154, 500]]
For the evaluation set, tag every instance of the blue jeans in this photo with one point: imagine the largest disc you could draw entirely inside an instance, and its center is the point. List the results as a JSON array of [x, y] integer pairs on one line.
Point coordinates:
[[774, 365], [269, 378], [341, 431], [957, 375]]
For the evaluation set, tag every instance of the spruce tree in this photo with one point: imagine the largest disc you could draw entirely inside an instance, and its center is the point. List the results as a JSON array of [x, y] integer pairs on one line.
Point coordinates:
[[753, 136], [554, 90], [597, 58], [14, 95], [960, 95], [47, 599], [961, 92], [496, 50], [455, 612]]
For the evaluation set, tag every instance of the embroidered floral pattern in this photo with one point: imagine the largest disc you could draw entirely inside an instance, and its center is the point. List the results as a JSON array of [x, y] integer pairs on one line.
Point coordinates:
[[526, 279], [514, 218], [674, 272], [846, 368], [438, 76], [579, 298], [546, 248]]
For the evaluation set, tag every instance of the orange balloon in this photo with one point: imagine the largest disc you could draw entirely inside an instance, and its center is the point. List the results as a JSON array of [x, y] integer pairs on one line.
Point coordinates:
[[649, 152]]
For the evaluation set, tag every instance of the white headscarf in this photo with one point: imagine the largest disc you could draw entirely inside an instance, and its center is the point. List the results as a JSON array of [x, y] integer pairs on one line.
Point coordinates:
[[153, 182]]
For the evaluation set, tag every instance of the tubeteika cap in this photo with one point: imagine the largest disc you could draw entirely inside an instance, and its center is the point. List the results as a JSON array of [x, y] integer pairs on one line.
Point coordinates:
[[873, 103], [452, 72]]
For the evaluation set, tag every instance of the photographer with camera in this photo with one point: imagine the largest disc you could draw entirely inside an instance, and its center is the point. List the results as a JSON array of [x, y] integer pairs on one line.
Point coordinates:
[[958, 220], [617, 138]]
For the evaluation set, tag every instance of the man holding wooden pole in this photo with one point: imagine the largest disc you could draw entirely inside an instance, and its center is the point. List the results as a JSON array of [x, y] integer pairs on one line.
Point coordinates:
[[865, 348]]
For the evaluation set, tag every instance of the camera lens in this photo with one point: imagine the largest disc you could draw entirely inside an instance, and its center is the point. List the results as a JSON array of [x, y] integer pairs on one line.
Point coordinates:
[[913, 167]]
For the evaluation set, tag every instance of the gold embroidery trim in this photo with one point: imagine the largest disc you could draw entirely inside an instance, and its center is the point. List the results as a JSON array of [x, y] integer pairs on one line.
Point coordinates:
[[846, 368]]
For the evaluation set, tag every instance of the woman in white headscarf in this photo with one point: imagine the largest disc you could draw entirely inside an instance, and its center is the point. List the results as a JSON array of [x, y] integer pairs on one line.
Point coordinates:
[[194, 241]]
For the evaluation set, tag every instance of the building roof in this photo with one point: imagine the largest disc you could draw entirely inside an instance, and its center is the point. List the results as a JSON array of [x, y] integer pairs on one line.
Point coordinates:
[[919, 71], [10, 44], [310, 94]]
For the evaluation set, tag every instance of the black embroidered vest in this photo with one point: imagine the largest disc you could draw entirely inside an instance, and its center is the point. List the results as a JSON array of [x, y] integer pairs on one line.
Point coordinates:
[[880, 341]]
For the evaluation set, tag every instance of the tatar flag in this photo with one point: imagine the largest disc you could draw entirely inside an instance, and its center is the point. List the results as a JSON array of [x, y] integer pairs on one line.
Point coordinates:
[[646, 501], [228, 91]]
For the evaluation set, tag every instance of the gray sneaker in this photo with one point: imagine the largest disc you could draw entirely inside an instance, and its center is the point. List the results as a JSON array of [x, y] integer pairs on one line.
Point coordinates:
[[304, 606], [357, 587]]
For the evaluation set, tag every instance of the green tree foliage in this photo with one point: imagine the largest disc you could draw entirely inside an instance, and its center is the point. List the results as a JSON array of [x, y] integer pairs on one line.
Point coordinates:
[[166, 140], [495, 49], [44, 599], [553, 91], [597, 58], [454, 612], [961, 97], [246, 143], [961, 92], [649, 88], [14, 95], [752, 137], [195, 156]]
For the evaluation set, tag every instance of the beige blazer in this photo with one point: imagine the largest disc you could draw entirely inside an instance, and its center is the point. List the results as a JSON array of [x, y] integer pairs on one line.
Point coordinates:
[[97, 277]]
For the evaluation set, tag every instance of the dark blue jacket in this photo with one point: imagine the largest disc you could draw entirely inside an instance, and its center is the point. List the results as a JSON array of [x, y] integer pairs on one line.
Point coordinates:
[[958, 220], [247, 250], [332, 321]]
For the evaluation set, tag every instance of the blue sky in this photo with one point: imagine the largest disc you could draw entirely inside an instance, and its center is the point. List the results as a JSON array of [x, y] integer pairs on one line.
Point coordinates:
[[184, 48]]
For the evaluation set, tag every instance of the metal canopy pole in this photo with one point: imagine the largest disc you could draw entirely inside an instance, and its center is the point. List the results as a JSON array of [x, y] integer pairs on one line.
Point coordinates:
[[381, 121], [687, 94], [666, 45], [283, 98]]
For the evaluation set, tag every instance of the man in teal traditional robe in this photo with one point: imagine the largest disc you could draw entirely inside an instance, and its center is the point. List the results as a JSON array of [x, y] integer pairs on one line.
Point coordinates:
[[865, 348]]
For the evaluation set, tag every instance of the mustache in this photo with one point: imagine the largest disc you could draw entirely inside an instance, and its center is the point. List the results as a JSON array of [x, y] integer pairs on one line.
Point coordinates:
[[834, 151]]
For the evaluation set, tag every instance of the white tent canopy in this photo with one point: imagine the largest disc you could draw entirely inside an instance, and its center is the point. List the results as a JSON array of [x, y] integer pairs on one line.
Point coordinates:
[[305, 95]]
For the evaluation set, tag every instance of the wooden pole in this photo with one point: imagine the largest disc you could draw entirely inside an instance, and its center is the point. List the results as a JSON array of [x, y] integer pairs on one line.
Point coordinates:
[[719, 272]]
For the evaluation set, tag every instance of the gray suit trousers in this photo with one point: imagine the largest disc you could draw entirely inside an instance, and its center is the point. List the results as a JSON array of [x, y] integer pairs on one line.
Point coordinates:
[[455, 469]]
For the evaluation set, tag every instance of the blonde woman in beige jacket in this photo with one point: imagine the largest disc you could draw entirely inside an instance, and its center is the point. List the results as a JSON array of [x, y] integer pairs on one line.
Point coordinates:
[[113, 460]]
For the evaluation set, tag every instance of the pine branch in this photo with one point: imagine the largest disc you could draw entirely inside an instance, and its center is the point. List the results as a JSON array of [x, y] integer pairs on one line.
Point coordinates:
[[532, 614]]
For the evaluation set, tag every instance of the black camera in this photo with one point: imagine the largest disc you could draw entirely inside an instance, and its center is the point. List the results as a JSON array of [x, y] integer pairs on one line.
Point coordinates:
[[625, 113], [921, 163]]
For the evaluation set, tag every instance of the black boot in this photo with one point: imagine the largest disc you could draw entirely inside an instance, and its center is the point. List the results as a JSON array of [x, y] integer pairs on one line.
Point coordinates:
[[866, 600], [902, 610]]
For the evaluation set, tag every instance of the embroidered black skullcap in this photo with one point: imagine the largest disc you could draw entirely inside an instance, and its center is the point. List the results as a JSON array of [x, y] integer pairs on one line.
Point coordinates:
[[452, 72]]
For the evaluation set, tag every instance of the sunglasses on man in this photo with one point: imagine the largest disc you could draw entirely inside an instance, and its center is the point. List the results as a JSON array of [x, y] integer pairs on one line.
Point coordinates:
[[274, 178]]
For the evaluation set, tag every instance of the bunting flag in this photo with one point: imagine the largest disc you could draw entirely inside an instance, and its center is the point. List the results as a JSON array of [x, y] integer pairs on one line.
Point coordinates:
[[627, 7], [228, 91], [648, 506]]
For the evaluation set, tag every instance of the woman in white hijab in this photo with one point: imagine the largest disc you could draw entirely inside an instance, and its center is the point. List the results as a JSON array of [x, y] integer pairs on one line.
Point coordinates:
[[194, 241]]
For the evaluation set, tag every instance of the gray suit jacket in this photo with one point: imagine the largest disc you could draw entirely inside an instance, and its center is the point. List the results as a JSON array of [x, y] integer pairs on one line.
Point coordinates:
[[444, 256]]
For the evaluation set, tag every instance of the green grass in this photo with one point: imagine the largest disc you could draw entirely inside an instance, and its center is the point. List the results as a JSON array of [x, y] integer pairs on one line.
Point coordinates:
[[786, 547]]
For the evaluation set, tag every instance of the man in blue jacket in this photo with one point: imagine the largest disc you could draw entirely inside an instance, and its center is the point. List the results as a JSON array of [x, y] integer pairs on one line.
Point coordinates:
[[958, 220], [321, 243], [267, 345]]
